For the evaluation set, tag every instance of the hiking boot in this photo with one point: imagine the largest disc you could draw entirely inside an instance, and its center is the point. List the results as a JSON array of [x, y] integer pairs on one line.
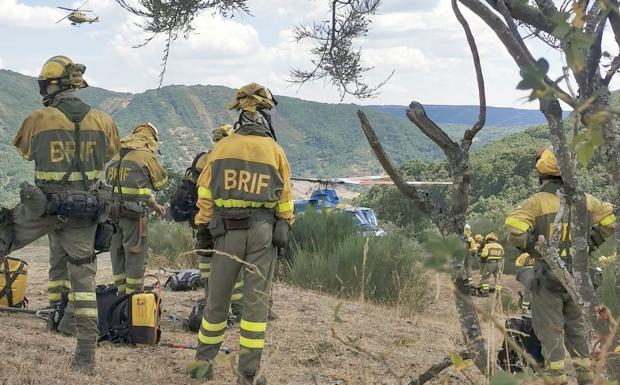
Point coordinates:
[[246, 379], [84, 358], [201, 370]]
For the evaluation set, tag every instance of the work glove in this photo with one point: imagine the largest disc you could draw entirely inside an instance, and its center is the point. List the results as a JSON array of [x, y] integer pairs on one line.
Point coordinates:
[[281, 233], [204, 240]]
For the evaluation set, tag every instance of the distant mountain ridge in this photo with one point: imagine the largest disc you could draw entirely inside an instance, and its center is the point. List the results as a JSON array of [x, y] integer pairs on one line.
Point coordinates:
[[468, 115], [320, 139]]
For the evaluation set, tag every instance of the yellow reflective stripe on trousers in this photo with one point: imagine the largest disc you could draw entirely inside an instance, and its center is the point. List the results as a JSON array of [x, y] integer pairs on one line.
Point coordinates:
[[251, 343], [134, 281], [239, 285], [517, 224], [608, 220], [132, 191], [84, 296], [85, 312], [118, 277], [53, 297], [59, 175], [204, 265], [237, 203], [213, 327], [556, 365], [210, 340], [55, 284], [204, 193], [282, 207], [253, 326], [236, 297]]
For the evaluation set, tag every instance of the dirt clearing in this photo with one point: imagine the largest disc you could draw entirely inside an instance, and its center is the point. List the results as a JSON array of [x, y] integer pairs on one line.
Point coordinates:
[[300, 347]]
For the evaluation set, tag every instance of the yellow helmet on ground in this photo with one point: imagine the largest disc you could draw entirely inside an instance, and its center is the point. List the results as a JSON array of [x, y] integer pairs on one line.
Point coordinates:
[[490, 237], [252, 97], [147, 127], [547, 163], [222, 131], [64, 72]]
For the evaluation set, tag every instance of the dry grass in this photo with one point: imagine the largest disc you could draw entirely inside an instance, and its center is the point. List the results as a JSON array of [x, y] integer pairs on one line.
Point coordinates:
[[300, 349]]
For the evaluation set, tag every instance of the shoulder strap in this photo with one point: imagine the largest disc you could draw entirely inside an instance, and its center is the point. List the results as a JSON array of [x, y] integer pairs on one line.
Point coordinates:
[[192, 169], [76, 111]]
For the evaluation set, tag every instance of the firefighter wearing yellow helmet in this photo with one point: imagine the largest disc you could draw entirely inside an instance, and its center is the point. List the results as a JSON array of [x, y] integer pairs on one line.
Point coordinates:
[[491, 263], [245, 210], [472, 248], [551, 306], [69, 143], [135, 174]]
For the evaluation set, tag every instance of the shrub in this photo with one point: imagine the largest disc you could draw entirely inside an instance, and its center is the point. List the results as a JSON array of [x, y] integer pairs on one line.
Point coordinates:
[[167, 241], [328, 254]]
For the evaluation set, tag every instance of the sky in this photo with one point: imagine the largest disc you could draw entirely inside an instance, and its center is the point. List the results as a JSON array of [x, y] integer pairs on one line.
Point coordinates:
[[420, 40]]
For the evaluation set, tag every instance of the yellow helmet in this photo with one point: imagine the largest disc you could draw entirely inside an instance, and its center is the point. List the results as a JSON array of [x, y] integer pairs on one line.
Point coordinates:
[[490, 237], [222, 131], [64, 72], [478, 237], [251, 97], [547, 163], [149, 128]]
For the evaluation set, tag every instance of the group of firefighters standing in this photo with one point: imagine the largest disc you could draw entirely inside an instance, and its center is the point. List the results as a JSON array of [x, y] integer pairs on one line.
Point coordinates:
[[244, 210]]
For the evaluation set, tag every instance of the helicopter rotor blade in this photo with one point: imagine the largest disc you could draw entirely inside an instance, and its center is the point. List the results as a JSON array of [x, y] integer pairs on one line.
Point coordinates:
[[83, 4], [383, 180], [62, 19], [67, 9]]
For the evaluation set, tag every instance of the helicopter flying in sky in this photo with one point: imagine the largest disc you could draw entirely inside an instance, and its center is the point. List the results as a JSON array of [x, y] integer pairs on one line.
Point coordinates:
[[78, 15], [326, 197]]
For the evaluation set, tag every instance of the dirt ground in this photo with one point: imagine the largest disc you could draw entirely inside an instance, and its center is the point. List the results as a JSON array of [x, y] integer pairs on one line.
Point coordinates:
[[300, 347]]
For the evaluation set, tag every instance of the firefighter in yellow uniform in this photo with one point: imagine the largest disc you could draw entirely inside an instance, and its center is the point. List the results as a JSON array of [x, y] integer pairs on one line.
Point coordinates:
[[491, 263], [204, 259], [556, 318], [69, 142], [134, 174], [525, 275], [472, 247], [246, 210]]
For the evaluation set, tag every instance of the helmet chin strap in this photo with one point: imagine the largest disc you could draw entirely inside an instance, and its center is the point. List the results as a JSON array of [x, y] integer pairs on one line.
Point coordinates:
[[48, 97]]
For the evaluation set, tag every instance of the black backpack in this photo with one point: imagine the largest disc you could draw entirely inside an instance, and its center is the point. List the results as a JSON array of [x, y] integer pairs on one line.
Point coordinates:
[[195, 317], [106, 297], [507, 358], [183, 201], [184, 280]]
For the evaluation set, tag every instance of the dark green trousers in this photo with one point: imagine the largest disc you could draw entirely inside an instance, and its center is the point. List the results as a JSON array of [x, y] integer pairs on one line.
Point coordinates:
[[559, 325], [254, 247], [128, 268], [204, 264], [58, 272]]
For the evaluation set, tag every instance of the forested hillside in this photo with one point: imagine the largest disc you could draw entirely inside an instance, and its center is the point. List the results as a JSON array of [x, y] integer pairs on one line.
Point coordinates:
[[320, 139]]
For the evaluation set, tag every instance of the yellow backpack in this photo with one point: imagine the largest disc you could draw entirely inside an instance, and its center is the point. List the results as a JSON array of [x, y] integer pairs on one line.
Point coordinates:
[[13, 282]]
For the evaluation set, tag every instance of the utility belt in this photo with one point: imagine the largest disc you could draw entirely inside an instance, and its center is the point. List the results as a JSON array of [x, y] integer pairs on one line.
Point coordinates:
[[226, 219], [128, 210], [73, 204]]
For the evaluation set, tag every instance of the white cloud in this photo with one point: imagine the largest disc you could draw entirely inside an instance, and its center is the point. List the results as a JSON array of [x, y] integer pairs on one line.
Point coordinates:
[[18, 14]]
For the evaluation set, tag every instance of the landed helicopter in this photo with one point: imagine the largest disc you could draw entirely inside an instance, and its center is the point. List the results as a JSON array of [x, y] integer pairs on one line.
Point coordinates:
[[78, 15], [326, 197]]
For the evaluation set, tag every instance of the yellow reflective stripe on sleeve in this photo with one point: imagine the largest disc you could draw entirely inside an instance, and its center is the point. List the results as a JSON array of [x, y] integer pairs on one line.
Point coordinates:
[[556, 365], [253, 326], [251, 343], [85, 312], [204, 193], [132, 191], [210, 340], [84, 296], [53, 297], [160, 184], [517, 224], [284, 207], [236, 297], [134, 281], [608, 220], [237, 203], [59, 175], [204, 265], [213, 327]]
